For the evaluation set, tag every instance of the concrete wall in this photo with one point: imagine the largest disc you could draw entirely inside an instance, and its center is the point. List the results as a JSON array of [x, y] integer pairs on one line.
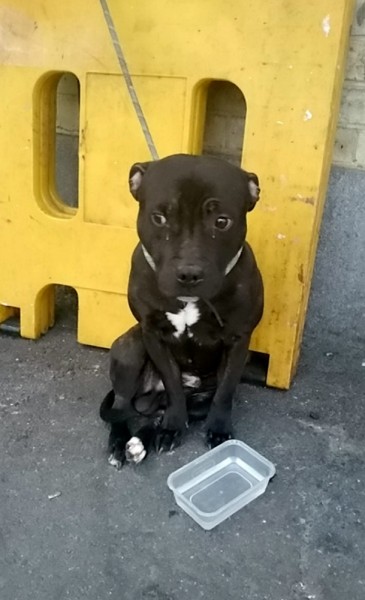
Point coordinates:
[[350, 140], [337, 302]]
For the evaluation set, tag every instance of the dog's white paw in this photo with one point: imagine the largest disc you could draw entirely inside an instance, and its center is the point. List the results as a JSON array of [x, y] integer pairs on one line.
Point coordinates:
[[114, 462], [135, 451]]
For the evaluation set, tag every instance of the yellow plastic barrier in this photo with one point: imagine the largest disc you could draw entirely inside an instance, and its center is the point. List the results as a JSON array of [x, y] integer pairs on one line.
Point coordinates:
[[287, 57]]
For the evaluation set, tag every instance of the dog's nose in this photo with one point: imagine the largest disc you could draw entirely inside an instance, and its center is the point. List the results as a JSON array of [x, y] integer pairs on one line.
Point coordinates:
[[189, 274]]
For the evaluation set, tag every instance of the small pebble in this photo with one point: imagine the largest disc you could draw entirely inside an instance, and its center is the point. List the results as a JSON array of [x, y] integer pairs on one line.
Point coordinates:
[[52, 496], [314, 415]]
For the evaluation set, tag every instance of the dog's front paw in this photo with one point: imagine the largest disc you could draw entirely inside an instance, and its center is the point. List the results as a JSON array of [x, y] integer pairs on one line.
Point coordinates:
[[175, 419], [167, 440], [214, 438], [170, 432], [219, 428]]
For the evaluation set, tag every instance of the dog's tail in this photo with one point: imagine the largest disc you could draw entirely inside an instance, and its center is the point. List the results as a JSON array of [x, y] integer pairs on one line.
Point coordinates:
[[107, 412]]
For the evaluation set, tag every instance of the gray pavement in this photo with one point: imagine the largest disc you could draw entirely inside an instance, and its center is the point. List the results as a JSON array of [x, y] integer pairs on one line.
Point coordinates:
[[74, 528]]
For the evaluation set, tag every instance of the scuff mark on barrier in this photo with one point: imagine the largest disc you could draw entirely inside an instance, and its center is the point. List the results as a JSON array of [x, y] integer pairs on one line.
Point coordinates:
[[305, 199], [326, 25], [307, 115]]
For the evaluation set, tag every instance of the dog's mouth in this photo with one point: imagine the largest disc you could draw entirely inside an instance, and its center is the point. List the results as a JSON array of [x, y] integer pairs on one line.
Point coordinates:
[[186, 299], [204, 290]]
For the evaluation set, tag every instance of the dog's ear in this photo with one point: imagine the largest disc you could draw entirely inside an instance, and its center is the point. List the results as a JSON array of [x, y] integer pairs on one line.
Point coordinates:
[[135, 177], [254, 190]]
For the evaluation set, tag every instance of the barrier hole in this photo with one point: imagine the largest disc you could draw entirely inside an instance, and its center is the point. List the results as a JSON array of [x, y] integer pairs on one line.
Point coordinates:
[[56, 115], [66, 312], [225, 116], [67, 139], [9, 319], [256, 369]]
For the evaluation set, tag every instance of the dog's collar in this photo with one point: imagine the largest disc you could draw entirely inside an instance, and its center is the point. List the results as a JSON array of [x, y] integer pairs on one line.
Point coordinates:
[[149, 258], [232, 263]]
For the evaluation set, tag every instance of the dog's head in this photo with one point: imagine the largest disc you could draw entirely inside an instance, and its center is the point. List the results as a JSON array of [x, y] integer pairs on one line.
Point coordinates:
[[192, 220]]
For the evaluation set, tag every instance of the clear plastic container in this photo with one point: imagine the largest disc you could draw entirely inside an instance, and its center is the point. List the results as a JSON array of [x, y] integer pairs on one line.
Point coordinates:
[[219, 483]]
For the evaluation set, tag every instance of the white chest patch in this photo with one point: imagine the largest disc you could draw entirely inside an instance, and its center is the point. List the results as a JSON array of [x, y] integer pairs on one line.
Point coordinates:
[[186, 317]]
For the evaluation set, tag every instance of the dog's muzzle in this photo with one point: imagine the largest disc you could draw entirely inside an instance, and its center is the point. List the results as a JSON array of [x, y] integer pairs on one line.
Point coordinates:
[[192, 275]]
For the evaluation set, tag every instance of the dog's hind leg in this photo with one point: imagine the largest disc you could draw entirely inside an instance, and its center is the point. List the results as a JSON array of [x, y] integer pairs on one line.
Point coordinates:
[[119, 434], [128, 358], [141, 442], [129, 372], [119, 431]]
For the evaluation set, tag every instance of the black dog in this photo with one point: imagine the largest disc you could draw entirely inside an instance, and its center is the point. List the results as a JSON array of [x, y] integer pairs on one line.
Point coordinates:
[[197, 295]]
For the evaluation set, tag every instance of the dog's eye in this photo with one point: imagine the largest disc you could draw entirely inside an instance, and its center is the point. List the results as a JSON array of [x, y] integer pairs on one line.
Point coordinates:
[[158, 219], [223, 223]]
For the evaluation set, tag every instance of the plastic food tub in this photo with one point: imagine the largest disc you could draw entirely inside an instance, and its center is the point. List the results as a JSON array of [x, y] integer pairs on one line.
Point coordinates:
[[219, 483]]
